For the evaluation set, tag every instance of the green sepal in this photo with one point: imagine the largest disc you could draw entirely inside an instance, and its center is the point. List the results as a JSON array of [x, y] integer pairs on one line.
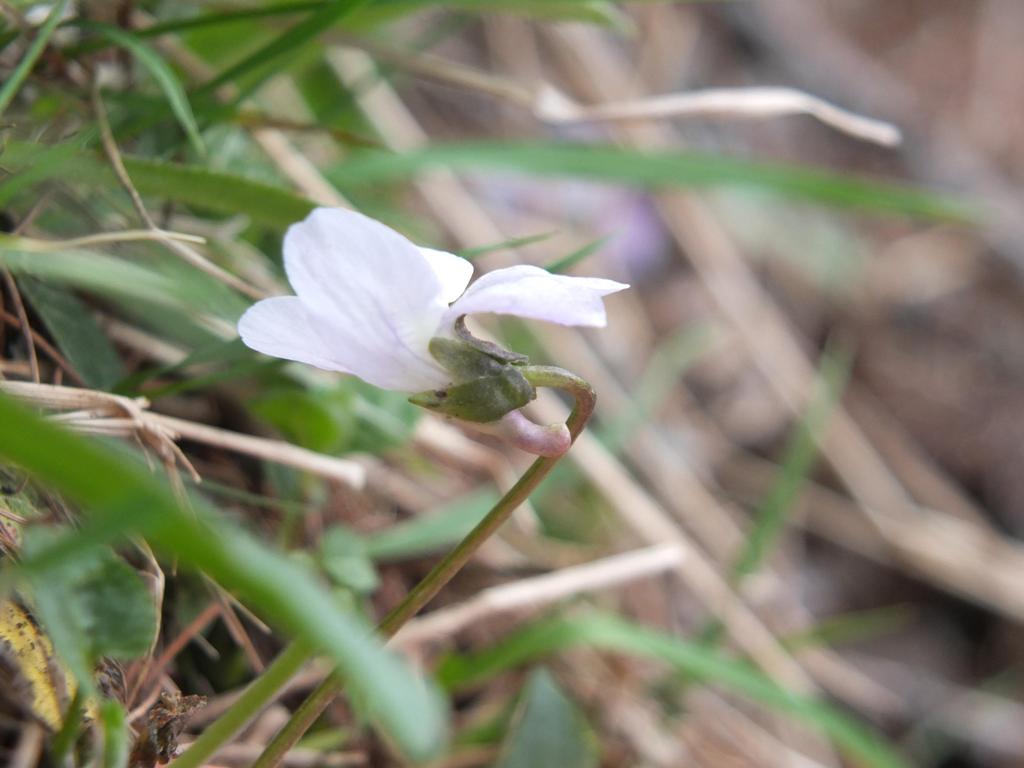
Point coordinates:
[[463, 360], [487, 381], [489, 348], [482, 400]]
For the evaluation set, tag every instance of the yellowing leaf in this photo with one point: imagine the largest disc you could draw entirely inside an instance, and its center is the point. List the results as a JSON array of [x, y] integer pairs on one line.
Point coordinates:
[[39, 682]]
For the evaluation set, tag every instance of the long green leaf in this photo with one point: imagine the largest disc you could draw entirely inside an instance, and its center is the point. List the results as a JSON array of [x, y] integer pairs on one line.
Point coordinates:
[[656, 169], [161, 73], [266, 205], [122, 498], [615, 634], [594, 11], [227, 193], [115, 735], [378, 12], [97, 272]]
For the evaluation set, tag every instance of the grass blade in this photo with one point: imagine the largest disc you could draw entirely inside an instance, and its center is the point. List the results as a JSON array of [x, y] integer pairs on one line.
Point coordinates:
[[570, 260], [658, 170], [615, 634], [162, 73], [797, 463], [13, 84], [266, 57], [115, 735]]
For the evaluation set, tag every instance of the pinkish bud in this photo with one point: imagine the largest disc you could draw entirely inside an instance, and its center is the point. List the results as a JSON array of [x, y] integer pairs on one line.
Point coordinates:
[[550, 441]]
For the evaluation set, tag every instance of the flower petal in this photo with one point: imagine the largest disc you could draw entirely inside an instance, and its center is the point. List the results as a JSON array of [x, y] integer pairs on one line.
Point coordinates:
[[281, 327], [368, 289], [453, 271], [528, 291]]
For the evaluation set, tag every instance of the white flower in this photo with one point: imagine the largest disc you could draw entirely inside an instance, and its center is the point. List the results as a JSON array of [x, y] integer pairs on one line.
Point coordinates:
[[369, 301]]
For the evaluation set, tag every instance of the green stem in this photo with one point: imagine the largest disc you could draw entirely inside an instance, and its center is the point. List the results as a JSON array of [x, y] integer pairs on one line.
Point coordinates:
[[442, 573], [253, 699]]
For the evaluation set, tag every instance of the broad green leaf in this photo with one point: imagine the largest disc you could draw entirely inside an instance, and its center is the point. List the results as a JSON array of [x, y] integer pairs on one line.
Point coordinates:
[[120, 614], [94, 605], [612, 633], [344, 556], [656, 169], [307, 418], [429, 533], [76, 332], [349, 416], [121, 498], [161, 72], [547, 729]]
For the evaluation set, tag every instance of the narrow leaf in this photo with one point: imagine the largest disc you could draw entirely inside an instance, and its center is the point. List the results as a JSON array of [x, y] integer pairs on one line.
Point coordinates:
[[227, 193], [771, 515], [657, 169], [14, 81], [266, 205], [115, 735], [161, 73], [265, 58]]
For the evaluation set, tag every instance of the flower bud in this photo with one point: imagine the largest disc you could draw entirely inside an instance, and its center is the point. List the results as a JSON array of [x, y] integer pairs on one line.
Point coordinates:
[[551, 440]]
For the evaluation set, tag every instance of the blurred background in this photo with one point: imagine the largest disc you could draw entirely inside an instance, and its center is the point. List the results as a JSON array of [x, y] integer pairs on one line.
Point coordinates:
[[790, 535]]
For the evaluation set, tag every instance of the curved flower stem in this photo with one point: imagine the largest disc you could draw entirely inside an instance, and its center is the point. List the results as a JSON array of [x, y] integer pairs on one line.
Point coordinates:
[[442, 573]]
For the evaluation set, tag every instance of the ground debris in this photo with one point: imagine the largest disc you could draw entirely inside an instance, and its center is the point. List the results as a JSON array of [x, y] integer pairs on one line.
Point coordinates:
[[157, 743]]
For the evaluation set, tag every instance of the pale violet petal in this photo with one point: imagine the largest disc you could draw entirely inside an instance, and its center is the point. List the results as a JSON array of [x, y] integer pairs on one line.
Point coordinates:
[[528, 291], [453, 271], [283, 327], [280, 327], [370, 289]]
